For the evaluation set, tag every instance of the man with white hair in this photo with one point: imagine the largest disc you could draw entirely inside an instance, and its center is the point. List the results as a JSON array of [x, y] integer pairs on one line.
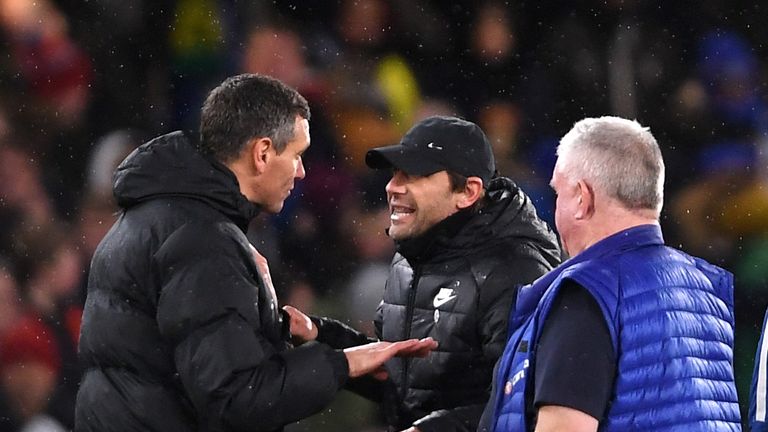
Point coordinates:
[[628, 334]]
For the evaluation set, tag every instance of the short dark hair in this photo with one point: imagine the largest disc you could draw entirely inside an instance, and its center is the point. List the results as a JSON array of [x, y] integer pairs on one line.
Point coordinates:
[[457, 181], [248, 106]]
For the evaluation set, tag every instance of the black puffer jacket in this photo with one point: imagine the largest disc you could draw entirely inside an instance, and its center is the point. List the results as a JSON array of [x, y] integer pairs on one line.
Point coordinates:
[[456, 283], [179, 331]]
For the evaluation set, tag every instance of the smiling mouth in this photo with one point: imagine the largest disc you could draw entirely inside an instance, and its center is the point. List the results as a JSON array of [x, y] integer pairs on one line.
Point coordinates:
[[399, 212]]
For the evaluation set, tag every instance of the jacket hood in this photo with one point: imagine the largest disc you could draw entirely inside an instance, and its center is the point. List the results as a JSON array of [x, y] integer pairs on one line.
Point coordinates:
[[508, 214], [171, 166]]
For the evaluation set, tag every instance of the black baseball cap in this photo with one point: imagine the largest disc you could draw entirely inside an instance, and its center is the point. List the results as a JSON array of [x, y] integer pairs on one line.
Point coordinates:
[[436, 144]]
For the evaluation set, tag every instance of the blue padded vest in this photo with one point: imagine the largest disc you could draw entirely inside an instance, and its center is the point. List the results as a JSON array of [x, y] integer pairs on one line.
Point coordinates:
[[670, 318]]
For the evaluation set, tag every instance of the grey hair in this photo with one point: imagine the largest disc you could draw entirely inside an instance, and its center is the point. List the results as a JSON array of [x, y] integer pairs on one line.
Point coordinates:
[[619, 157]]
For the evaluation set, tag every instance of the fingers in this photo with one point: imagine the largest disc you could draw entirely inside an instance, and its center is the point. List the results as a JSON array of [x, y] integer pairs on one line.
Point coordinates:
[[292, 311], [409, 347], [364, 359], [297, 317], [370, 358], [301, 326], [419, 348]]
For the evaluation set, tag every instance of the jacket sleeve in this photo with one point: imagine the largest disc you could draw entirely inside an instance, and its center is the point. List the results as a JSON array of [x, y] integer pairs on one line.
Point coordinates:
[[230, 360], [337, 334], [496, 298]]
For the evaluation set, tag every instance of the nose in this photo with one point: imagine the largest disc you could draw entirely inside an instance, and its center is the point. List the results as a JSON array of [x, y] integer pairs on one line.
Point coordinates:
[[300, 173], [396, 184]]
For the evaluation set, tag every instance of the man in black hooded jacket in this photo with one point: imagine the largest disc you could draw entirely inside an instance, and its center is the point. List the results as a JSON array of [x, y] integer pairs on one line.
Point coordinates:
[[181, 329], [466, 240]]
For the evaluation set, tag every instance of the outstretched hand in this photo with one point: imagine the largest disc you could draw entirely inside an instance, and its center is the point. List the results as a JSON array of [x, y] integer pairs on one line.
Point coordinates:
[[370, 358], [302, 328], [422, 349]]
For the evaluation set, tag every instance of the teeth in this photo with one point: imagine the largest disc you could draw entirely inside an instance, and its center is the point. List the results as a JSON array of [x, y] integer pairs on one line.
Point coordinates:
[[401, 209], [398, 213]]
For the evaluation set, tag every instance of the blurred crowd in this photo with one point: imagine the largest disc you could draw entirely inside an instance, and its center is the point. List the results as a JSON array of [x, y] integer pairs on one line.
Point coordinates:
[[84, 83]]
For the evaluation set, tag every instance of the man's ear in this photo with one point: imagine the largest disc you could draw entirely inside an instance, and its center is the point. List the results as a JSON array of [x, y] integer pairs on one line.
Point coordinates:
[[586, 200], [473, 191], [261, 151]]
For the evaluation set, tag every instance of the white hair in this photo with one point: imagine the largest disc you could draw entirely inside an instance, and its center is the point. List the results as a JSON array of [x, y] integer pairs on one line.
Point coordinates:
[[619, 157]]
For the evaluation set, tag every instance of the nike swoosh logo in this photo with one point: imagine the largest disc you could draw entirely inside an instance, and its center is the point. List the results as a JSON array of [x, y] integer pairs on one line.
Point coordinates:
[[433, 146], [441, 301]]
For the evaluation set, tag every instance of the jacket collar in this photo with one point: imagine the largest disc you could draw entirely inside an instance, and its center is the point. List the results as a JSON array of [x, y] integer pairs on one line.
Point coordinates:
[[630, 238], [422, 247]]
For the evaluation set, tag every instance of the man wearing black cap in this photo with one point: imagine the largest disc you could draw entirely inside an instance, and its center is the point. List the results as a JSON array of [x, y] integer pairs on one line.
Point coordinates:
[[466, 240]]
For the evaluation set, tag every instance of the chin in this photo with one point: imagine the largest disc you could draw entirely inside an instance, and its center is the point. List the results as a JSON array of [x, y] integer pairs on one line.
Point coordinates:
[[399, 234], [393, 233], [273, 208]]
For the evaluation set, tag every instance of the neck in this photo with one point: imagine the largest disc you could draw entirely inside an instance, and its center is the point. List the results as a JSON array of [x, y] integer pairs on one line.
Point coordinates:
[[612, 221]]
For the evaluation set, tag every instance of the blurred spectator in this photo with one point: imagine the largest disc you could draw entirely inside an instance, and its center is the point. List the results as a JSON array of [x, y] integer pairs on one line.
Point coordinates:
[[53, 75], [38, 361], [729, 71], [723, 205], [502, 121], [719, 106], [55, 70], [699, 206], [491, 69], [126, 42], [375, 92], [277, 50], [21, 186]]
